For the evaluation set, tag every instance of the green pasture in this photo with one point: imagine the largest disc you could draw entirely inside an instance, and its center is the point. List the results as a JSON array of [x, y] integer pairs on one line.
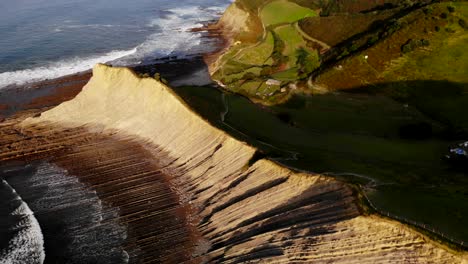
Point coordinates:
[[283, 11]]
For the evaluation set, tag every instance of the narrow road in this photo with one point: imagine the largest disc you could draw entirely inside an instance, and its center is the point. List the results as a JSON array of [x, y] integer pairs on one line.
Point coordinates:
[[306, 36]]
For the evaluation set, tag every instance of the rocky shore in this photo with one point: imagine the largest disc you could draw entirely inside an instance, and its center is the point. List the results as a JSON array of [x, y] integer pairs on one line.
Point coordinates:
[[188, 192]]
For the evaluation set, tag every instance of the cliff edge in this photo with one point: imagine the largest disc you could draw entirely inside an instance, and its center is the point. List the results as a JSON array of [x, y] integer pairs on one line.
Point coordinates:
[[246, 210]]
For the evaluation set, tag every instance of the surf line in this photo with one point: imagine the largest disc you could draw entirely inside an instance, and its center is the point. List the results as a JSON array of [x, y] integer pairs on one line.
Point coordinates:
[[28, 243]]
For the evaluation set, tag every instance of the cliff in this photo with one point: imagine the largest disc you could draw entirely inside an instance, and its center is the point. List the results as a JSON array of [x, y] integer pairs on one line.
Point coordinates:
[[235, 19], [245, 212]]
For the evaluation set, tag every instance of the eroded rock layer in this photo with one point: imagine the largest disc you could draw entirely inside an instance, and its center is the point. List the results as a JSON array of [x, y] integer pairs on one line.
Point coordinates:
[[230, 210], [98, 198]]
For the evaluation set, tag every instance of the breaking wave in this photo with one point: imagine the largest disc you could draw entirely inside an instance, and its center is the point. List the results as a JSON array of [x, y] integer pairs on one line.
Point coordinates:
[[58, 69], [75, 223], [22, 236], [171, 37]]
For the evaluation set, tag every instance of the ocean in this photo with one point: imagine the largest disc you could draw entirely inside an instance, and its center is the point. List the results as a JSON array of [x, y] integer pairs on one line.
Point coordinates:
[[46, 39]]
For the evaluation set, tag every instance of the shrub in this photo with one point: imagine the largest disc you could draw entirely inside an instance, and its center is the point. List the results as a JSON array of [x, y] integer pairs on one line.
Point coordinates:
[[378, 24], [462, 23], [393, 27], [249, 76], [372, 40], [407, 48], [345, 53], [354, 47], [412, 44], [450, 30], [267, 70], [305, 63], [444, 15], [157, 76], [425, 42], [451, 9], [428, 10]]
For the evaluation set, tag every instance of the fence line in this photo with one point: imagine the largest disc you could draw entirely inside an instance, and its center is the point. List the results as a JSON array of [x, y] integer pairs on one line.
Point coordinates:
[[458, 242]]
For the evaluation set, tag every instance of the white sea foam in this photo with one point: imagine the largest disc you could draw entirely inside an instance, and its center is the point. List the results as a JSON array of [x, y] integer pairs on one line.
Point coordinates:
[[27, 245], [72, 212], [173, 38], [58, 69]]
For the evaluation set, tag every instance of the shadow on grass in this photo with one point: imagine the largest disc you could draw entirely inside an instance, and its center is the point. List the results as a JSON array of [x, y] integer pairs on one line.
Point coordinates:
[[395, 133]]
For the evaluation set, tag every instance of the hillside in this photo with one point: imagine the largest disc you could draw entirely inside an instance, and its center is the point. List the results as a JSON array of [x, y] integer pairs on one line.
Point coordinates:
[[374, 91], [287, 42], [224, 203]]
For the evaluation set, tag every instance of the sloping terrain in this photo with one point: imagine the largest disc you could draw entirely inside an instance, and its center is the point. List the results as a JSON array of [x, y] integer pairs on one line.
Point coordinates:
[[230, 206], [339, 44]]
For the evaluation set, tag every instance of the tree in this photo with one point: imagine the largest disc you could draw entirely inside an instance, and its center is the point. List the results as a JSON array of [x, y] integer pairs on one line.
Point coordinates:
[[305, 62]]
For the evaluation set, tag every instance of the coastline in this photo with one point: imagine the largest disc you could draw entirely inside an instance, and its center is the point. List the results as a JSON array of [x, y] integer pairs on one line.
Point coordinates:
[[205, 223], [42, 95], [237, 201]]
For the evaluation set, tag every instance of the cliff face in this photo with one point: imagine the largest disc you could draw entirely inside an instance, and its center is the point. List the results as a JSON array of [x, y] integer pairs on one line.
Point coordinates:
[[235, 19], [236, 24], [260, 212]]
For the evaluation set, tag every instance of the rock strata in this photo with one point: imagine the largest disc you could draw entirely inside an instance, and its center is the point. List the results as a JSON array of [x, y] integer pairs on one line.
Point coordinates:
[[199, 191]]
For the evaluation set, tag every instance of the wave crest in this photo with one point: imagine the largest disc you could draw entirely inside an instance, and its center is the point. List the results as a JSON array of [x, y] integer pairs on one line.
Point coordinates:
[[59, 69], [26, 244]]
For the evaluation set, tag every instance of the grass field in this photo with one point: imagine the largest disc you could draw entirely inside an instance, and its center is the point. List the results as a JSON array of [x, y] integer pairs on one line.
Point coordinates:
[[276, 53], [351, 133], [446, 57], [257, 54], [443, 59], [283, 11], [292, 40], [343, 27], [445, 203]]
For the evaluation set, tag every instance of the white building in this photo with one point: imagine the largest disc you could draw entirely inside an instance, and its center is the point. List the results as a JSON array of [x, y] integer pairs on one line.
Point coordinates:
[[271, 82]]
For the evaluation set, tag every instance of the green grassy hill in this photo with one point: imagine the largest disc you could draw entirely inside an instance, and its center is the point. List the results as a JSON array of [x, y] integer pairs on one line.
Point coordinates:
[[373, 88], [352, 44]]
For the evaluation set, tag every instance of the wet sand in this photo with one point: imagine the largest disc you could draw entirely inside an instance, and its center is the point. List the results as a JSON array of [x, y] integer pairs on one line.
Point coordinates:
[[124, 175]]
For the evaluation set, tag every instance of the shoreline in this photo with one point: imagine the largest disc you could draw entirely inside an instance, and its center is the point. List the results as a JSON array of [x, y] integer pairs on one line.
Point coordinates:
[[229, 204], [238, 201], [45, 94]]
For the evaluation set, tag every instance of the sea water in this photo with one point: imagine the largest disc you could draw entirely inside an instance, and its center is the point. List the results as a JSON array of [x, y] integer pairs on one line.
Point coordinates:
[[45, 39], [47, 214]]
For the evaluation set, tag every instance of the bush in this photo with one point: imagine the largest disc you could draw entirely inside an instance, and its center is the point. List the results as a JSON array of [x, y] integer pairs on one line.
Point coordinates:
[[267, 70], [354, 47], [393, 27], [450, 30], [451, 9], [249, 76], [343, 54], [428, 10], [372, 40], [412, 44], [407, 48], [305, 63], [444, 15], [462, 23]]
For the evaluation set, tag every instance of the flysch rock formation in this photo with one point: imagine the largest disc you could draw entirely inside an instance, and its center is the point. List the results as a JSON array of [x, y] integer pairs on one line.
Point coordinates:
[[236, 209]]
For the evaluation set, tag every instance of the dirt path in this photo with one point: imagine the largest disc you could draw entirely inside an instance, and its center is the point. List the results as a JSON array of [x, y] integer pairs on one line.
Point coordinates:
[[304, 35]]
